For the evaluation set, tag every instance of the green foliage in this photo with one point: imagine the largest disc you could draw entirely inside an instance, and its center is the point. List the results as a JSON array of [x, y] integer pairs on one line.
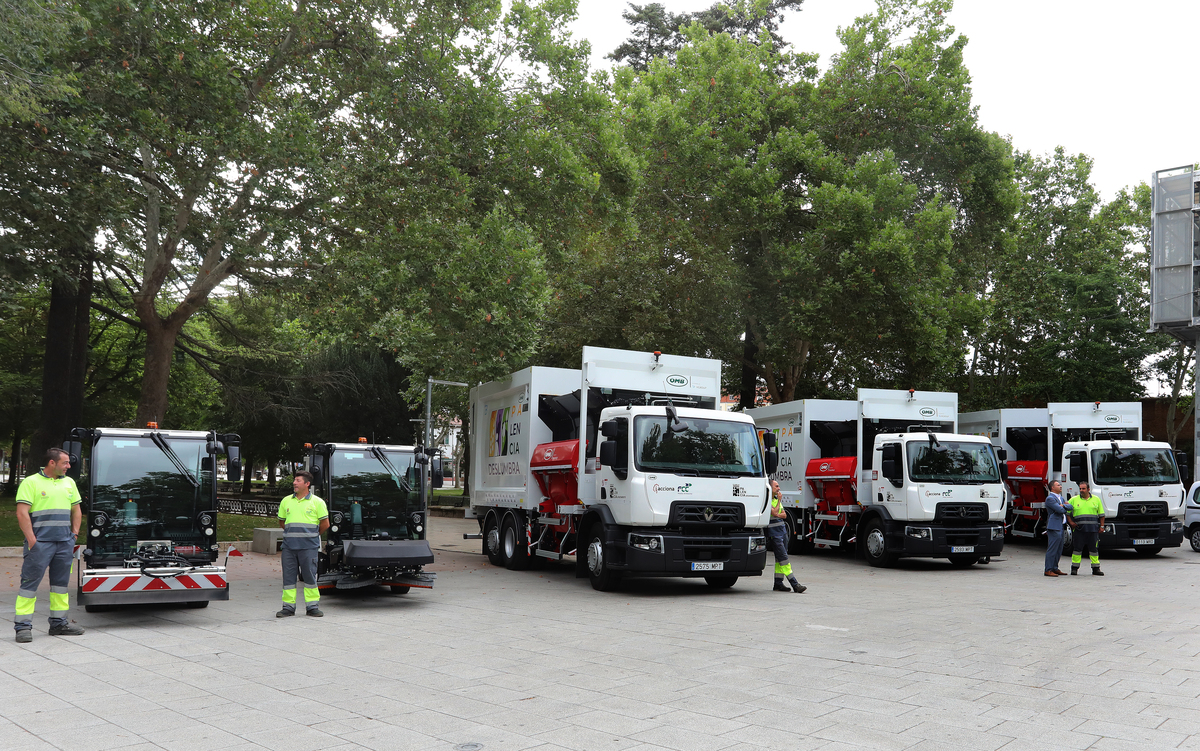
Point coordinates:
[[30, 28]]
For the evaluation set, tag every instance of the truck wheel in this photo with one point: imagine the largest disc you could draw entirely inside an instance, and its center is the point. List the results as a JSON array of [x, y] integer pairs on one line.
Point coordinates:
[[721, 582], [1149, 550], [963, 561], [875, 545], [1068, 540], [1194, 538], [512, 544], [603, 578], [491, 540], [400, 589]]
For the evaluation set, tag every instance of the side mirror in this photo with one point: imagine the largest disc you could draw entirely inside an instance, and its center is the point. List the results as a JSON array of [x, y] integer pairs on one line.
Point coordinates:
[[608, 452], [769, 440], [421, 458], [891, 453], [437, 478], [890, 469], [1181, 461], [1078, 470], [74, 449], [1002, 454], [610, 429], [1003, 470], [772, 459], [233, 467]]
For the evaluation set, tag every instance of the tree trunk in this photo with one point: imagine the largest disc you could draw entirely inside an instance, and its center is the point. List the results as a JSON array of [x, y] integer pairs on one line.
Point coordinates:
[[749, 377], [79, 348], [271, 473], [156, 374], [247, 473], [14, 462], [56, 368]]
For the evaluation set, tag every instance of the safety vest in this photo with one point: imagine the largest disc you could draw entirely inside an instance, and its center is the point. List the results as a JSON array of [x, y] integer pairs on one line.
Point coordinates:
[[777, 511], [1087, 512], [50, 501], [302, 519]]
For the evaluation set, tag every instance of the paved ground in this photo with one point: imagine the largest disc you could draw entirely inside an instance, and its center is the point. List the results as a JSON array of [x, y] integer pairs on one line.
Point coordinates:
[[919, 657]]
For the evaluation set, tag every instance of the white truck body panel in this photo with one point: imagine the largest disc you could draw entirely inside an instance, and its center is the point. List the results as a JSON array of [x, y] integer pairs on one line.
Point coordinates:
[[791, 423]]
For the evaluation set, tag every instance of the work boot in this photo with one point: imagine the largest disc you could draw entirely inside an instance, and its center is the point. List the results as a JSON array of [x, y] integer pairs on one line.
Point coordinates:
[[1097, 572], [780, 586], [797, 587], [24, 636], [1074, 571], [285, 613], [66, 629], [315, 613]]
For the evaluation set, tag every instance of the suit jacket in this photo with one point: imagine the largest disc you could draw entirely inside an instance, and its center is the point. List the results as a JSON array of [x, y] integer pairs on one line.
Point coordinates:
[[1056, 510]]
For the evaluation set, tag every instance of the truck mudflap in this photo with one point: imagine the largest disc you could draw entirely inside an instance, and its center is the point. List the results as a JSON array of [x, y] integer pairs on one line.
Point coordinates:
[[134, 586], [927, 540], [688, 555], [387, 553], [1157, 533]]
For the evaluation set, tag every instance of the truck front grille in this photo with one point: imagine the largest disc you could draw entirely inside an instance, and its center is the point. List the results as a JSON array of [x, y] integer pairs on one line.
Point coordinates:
[[707, 550], [1147, 509], [688, 513], [961, 512]]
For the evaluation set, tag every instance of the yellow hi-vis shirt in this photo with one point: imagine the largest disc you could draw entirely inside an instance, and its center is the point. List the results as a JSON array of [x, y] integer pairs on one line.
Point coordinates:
[[50, 501], [302, 519], [1087, 512]]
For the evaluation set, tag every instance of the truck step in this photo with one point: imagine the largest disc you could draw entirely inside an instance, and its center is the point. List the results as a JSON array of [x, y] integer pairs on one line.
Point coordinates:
[[1022, 533], [853, 508], [549, 554], [571, 510], [475, 536], [1023, 512], [834, 543], [827, 517], [549, 521]]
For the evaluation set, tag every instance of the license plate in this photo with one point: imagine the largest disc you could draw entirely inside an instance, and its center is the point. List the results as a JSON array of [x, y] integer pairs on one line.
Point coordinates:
[[962, 549], [1144, 542], [714, 566]]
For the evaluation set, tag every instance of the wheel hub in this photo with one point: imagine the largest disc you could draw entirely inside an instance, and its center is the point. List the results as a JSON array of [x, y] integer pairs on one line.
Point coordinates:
[[510, 542], [595, 557], [493, 541], [875, 543]]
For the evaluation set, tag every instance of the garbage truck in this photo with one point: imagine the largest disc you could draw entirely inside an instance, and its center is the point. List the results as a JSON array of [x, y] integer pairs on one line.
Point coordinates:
[[1141, 482], [151, 502], [377, 515], [624, 465], [888, 475]]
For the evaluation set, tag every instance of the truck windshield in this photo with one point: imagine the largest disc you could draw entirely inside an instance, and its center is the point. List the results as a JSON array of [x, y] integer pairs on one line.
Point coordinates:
[[377, 489], [707, 447], [953, 462], [1134, 467], [144, 494]]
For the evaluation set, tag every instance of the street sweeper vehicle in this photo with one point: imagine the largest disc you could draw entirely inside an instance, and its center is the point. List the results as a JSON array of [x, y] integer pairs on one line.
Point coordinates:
[[625, 465], [889, 475], [151, 502], [377, 514]]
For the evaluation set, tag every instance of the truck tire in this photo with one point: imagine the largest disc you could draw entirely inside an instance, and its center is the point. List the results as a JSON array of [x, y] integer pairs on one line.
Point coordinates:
[[491, 540], [1148, 550], [721, 582], [400, 589], [602, 577], [875, 545], [963, 561], [1068, 540], [1194, 537], [512, 543]]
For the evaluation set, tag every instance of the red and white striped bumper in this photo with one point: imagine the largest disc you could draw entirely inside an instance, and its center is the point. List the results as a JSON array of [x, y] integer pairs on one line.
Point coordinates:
[[127, 586]]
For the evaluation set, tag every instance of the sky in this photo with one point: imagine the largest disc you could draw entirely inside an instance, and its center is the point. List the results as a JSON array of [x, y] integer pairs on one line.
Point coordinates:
[[1110, 80]]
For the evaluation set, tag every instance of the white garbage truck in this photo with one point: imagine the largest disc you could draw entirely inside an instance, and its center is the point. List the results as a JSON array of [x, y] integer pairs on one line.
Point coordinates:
[[626, 465], [1139, 481], [889, 475]]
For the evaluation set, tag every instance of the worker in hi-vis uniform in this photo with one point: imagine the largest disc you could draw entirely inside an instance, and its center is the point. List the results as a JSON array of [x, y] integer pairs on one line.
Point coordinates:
[[777, 534], [303, 517], [1087, 519], [48, 515]]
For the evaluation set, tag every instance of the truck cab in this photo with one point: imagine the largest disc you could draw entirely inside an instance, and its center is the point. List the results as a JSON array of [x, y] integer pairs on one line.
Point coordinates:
[[934, 495], [151, 503], [1140, 485], [377, 515]]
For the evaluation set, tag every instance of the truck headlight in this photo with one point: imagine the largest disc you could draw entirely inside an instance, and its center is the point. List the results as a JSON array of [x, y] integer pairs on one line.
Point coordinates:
[[333, 528], [919, 533], [1108, 529], [997, 533], [758, 544], [1176, 526], [653, 543]]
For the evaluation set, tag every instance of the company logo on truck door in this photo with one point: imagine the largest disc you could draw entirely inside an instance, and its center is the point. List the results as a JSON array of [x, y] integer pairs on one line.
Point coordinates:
[[939, 493], [1112, 418], [501, 428], [927, 412], [678, 381]]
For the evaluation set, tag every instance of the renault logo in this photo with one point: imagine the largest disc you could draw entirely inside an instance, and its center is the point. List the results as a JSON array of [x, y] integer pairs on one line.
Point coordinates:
[[708, 514], [1142, 508]]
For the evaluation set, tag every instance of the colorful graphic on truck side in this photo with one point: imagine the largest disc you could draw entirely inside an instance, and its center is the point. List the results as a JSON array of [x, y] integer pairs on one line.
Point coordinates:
[[505, 466]]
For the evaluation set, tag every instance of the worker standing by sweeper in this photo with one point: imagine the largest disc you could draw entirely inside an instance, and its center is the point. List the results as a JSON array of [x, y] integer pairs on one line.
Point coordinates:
[[777, 533]]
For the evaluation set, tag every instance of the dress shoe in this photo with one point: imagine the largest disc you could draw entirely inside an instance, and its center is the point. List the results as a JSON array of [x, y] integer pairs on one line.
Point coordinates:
[[1051, 573]]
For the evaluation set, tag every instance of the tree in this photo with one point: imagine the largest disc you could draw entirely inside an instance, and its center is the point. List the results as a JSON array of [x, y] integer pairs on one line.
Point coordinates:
[[30, 28]]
